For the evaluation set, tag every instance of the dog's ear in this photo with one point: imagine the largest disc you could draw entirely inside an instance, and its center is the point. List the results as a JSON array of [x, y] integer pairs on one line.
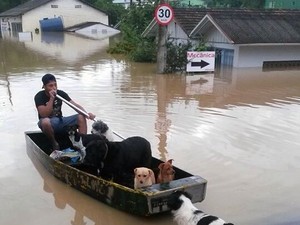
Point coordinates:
[[152, 176], [170, 161], [135, 170], [74, 127], [95, 153], [174, 203], [69, 128], [160, 166]]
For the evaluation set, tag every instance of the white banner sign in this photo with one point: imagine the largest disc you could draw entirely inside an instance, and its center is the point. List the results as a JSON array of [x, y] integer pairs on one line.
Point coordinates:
[[200, 61]]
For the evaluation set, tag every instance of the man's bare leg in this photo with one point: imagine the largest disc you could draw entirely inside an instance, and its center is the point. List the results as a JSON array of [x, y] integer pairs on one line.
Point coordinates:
[[49, 132], [82, 126]]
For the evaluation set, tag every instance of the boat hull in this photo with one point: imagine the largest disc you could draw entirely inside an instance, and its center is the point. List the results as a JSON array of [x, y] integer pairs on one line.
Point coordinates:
[[144, 202]]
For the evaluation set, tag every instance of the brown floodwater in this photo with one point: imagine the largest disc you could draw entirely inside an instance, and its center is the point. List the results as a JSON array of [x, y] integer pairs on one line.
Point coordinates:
[[237, 128]]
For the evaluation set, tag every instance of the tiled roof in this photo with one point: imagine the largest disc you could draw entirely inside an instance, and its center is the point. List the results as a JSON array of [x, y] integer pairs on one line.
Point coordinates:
[[32, 4], [244, 25], [27, 6], [248, 26], [81, 26], [188, 18]]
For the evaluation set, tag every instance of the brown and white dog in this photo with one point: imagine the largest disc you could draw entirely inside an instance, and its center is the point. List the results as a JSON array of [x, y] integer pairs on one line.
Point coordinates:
[[143, 177], [166, 172]]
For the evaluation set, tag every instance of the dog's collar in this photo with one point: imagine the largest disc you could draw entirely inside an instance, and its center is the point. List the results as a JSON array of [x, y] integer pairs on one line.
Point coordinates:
[[106, 152], [105, 155], [83, 153]]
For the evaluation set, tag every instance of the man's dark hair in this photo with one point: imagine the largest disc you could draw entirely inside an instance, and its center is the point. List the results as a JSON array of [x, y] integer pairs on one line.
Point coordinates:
[[48, 78]]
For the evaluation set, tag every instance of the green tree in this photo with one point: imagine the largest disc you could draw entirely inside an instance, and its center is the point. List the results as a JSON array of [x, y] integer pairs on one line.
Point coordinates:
[[176, 56], [8, 4], [115, 11], [132, 25], [255, 4]]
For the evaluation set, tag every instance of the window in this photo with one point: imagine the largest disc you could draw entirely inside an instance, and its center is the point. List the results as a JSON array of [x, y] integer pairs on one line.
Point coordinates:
[[16, 27], [77, 6], [54, 6]]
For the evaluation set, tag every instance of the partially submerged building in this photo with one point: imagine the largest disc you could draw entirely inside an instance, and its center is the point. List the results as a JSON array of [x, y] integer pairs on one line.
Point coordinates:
[[50, 15], [241, 38]]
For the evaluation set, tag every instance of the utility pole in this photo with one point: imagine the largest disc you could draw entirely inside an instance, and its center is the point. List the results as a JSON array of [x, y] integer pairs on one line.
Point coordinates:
[[164, 15], [161, 47]]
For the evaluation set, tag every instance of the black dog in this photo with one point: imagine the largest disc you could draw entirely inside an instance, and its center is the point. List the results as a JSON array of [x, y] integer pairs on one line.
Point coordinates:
[[117, 160], [185, 213]]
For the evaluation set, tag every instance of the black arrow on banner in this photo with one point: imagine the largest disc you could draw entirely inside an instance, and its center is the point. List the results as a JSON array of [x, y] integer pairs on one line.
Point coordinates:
[[201, 64]]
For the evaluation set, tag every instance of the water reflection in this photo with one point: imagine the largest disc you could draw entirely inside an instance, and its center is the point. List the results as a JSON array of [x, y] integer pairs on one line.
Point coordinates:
[[63, 196], [6, 101], [192, 85], [66, 47], [85, 209], [54, 38], [52, 49], [6, 89], [238, 128]]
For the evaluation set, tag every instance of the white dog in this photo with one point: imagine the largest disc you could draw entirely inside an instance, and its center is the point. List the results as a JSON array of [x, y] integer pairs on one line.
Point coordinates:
[[143, 177], [101, 128], [185, 213]]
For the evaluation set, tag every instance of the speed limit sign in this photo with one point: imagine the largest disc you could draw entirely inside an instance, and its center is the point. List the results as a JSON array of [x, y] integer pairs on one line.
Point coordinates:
[[164, 14]]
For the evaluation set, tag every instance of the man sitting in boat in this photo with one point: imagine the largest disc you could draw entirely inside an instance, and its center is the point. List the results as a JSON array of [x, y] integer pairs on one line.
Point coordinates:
[[51, 120]]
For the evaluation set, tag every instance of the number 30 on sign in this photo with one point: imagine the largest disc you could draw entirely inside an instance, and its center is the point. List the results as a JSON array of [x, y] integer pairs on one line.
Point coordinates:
[[164, 14]]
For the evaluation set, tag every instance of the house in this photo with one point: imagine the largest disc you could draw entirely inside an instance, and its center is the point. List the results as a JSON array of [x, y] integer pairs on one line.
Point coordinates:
[[29, 16], [241, 37], [191, 3], [282, 4], [126, 3], [184, 22]]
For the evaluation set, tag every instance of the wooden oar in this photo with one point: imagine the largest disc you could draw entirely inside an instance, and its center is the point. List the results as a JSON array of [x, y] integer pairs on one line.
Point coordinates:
[[82, 112]]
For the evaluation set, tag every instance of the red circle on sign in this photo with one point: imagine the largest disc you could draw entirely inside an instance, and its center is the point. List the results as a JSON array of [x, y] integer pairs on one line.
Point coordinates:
[[164, 14]]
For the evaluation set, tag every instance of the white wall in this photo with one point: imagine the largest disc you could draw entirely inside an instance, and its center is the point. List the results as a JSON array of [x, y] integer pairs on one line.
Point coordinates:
[[215, 36], [254, 56], [98, 31], [175, 32], [66, 10]]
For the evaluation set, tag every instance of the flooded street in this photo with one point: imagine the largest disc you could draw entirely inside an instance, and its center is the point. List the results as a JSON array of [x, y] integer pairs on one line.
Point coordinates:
[[239, 129]]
